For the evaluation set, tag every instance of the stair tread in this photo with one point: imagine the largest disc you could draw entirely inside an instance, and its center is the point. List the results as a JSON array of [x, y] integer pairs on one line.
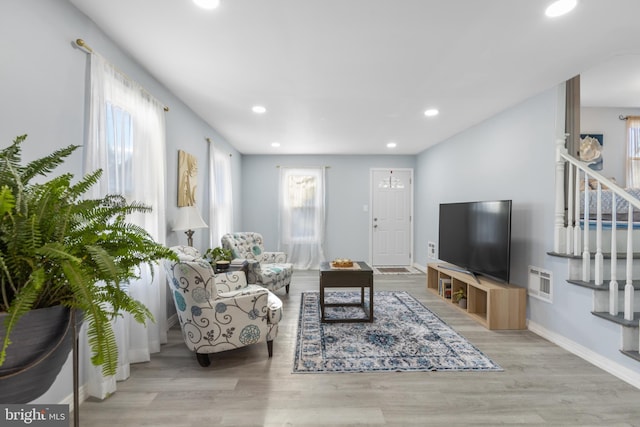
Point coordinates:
[[605, 286], [619, 318], [605, 255]]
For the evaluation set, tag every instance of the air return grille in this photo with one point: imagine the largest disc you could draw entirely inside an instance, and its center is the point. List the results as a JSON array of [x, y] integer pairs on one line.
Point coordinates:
[[540, 284]]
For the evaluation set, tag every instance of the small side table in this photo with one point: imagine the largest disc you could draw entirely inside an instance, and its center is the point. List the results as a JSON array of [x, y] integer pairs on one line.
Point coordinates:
[[347, 278], [244, 266]]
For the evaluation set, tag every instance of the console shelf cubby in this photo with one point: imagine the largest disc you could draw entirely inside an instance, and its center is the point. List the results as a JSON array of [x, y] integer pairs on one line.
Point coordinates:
[[493, 304]]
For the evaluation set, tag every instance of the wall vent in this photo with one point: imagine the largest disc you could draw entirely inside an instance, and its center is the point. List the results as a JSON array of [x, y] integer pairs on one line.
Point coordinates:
[[540, 284]]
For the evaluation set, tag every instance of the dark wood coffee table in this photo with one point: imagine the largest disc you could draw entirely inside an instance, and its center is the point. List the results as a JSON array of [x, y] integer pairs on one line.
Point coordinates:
[[347, 278]]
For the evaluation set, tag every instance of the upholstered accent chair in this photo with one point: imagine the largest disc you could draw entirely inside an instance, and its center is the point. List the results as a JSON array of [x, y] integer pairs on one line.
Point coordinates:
[[269, 269], [219, 312]]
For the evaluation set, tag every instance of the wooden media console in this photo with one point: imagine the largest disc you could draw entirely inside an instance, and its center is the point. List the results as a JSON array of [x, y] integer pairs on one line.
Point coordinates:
[[493, 304]]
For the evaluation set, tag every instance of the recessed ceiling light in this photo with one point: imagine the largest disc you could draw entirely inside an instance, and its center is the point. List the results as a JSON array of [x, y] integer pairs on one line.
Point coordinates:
[[207, 4], [258, 109], [560, 7], [431, 112], [392, 145], [275, 144]]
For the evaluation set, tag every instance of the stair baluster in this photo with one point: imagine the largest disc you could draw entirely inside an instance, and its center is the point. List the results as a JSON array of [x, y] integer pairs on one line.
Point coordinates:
[[570, 221], [628, 287], [599, 259], [586, 255], [576, 230], [613, 283]]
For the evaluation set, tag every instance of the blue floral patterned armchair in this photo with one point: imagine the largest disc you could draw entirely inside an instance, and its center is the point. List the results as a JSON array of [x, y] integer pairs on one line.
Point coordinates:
[[219, 312], [269, 269]]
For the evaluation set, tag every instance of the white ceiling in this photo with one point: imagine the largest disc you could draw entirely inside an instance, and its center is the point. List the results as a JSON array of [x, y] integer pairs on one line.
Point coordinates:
[[348, 76]]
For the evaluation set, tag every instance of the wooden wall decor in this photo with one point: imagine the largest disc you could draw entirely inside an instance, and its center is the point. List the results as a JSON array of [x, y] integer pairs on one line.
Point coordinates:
[[187, 179]]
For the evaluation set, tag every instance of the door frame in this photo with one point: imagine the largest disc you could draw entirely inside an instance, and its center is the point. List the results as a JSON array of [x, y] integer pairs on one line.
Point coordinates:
[[412, 221]]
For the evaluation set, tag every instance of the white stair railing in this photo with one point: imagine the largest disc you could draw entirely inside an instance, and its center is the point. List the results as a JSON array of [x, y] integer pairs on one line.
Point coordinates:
[[567, 236]]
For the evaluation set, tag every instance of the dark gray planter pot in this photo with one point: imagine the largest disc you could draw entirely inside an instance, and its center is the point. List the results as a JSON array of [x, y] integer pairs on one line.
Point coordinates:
[[41, 342]]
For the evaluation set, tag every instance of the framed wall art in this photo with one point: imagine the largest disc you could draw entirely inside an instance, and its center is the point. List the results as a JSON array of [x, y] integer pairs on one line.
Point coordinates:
[[591, 149], [187, 179]]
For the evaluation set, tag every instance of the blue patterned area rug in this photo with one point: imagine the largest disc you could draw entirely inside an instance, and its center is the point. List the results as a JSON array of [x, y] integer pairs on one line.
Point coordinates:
[[404, 336]]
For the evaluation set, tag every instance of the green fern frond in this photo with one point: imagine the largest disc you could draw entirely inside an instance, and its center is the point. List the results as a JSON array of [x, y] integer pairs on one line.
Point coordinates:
[[7, 287], [56, 251], [87, 181], [47, 164], [102, 341], [22, 303], [120, 301], [7, 201], [12, 152], [101, 338], [105, 263]]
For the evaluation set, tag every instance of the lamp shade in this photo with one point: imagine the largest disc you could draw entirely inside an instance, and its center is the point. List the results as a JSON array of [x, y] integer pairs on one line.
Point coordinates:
[[189, 219]]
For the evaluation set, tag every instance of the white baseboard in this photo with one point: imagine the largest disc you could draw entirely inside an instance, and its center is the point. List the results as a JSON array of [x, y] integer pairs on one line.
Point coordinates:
[[615, 369], [422, 268]]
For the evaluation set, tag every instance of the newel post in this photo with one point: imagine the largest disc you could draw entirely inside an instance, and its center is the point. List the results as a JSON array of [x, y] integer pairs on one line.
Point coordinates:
[[558, 234]]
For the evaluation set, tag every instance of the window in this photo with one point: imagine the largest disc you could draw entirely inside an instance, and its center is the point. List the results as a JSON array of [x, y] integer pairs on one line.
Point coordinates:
[[633, 152], [119, 139], [302, 191], [220, 195], [391, 182], [302, 215]]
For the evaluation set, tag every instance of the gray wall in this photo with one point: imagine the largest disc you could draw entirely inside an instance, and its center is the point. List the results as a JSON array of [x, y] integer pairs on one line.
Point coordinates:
[[43, 93], [347, 182], [511, 156]]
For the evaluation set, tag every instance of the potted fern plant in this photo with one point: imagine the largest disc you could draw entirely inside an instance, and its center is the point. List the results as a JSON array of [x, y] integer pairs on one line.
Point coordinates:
[[61, 251]]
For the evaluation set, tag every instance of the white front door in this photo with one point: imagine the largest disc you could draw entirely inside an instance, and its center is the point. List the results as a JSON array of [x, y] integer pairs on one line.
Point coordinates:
[[391, 212]]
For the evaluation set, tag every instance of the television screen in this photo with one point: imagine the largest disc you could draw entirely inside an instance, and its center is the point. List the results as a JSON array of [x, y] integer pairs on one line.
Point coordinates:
[[476, 236]]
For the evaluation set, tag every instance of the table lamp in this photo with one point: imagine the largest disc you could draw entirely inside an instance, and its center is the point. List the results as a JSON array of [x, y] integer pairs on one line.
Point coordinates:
[[189, 219]]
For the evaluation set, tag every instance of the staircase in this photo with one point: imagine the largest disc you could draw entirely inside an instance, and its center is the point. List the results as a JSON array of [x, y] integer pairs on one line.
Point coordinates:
[[605, 255]]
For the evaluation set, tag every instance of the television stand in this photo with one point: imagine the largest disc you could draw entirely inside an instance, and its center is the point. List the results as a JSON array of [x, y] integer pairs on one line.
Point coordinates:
[[459, 270], [493, 304]]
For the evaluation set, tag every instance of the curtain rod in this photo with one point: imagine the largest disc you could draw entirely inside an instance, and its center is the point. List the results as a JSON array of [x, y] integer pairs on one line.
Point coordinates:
[[303, 167], [621, 117], [211, 142], [85, 47]]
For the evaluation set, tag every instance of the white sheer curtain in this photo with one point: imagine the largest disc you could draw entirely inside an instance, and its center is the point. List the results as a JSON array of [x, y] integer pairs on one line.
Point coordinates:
[[220, 195], [126, 138], [633, 151], [302, 216]]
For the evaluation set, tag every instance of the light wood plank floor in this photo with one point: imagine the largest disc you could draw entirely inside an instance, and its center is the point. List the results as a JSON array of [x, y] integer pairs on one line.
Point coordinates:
[[542, 384]]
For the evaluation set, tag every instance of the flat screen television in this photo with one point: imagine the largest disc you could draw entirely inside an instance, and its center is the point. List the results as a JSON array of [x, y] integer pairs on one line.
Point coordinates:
[[476, 237]]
